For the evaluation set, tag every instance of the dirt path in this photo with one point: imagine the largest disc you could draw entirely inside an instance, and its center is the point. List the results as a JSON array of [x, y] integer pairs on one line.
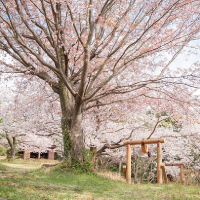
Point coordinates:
[[23, 165], [20, 166], [2, 157]]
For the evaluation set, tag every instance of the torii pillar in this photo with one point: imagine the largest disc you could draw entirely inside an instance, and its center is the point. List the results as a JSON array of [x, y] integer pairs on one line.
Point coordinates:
[[128, 164], [159, 162]]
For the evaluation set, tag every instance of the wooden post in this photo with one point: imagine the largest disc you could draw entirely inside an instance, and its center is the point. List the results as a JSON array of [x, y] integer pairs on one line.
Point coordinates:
[[182, 175], [159, 162], [128, 164], [164, 173], [124, 170], [51, 155]]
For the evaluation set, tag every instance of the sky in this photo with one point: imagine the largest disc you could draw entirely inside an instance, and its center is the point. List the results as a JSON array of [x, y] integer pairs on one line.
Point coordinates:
[[184, 61]]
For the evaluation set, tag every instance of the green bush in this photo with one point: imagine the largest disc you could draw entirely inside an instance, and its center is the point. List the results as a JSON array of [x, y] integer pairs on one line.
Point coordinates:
[[57, 157], [84, 166], [2, 151], [114, 167]]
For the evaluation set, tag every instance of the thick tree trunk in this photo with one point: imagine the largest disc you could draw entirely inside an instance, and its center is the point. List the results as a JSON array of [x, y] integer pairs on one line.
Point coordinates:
[[71, 125], [66, 102], [77, 139]]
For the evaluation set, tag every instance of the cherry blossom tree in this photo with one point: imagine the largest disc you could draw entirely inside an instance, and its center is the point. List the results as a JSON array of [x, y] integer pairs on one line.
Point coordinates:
[[27, 121], [99, 53]]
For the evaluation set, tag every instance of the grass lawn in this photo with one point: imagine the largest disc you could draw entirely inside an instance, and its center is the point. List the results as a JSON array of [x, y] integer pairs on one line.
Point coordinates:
[[33, 182]]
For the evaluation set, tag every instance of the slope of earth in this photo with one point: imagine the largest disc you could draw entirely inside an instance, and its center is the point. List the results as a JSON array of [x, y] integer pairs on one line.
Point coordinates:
[[55, 183]]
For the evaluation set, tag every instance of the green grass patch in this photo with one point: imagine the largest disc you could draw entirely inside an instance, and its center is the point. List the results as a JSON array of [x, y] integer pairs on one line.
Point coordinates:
[[51, 184], [3, 168]]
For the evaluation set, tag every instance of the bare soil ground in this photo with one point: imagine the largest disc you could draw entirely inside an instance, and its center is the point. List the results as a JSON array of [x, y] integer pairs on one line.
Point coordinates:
[[20, 164]]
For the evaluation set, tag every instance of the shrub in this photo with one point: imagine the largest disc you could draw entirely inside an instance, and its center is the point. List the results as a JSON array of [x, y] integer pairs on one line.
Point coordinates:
[[114, 167], [57, 157], [86, 165], [81, 166]]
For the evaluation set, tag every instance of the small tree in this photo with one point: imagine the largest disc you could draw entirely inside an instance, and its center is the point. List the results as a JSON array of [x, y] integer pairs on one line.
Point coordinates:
[[12, 142]]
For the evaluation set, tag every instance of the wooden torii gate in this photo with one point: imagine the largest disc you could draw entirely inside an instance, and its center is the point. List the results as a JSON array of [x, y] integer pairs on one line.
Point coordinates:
[[181, 170], [144, 147]]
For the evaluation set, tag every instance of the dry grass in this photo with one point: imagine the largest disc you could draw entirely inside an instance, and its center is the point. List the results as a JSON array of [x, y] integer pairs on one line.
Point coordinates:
[[190, 177], [112, 175], [2, 157], [30, 164], [35, 162], [20, 166]]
